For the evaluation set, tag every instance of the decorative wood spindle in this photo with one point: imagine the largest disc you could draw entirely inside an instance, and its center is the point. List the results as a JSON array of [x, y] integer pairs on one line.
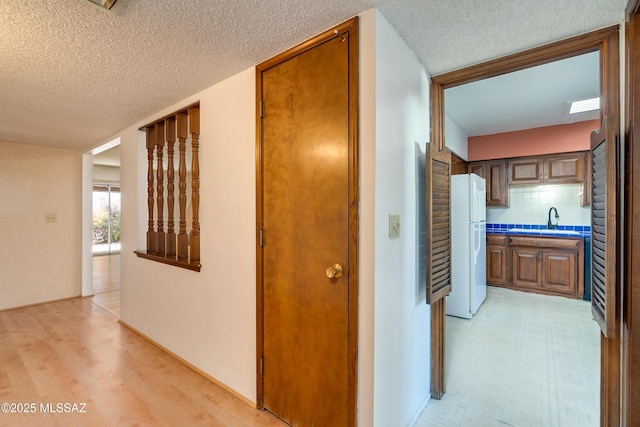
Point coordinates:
[[160, 236], [183, 239], [151, 234], [194, 127], [170, 126]]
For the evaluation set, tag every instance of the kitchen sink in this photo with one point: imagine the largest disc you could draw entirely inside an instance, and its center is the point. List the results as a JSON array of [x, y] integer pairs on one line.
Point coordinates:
[[545, 231]]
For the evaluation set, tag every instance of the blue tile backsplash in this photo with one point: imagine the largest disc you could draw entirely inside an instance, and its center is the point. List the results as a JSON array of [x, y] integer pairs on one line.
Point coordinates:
[[540, 230]]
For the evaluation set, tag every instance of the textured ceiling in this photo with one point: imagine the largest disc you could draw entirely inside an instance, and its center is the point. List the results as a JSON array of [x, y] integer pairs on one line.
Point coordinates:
[[72, 74]]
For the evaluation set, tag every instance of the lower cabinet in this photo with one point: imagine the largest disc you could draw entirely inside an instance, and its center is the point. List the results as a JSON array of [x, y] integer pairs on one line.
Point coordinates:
[[547, 265], [498, 257], [526, 268]]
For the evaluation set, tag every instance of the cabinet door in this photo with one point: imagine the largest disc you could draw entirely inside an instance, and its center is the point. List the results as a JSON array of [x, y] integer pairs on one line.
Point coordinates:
[[525, 171], [559, 271], [526, 268], [497, 190], [564, 168], [479, 168], [497, 265]]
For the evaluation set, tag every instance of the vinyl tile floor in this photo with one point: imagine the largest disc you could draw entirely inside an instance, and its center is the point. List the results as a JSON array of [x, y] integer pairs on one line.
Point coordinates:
[[523, 360]]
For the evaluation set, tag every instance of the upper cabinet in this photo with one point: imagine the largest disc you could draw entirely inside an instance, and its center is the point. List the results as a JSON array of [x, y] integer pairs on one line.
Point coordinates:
[[551, 169], [525, 171], [564, 168], [494, 173]]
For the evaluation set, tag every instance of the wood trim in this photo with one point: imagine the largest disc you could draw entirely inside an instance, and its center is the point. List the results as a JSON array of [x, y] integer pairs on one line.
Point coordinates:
[[607, 42], [567, 48], [175, 113], [438, 386], [43, 302], [188, 365], [354, 215], [437, 113], [259, 253], [630, 380], [349, 31], [169, 261]]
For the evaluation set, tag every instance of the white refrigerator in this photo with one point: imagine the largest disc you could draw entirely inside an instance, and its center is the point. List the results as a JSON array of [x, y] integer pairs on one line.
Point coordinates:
[[468, 246]]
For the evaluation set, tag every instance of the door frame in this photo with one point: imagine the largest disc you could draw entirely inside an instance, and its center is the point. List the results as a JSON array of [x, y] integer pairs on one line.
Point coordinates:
[[606, 41], [630, 378], [347, 31]]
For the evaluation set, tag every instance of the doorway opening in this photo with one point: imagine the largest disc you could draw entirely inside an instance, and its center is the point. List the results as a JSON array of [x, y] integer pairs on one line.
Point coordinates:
[[105, 227], [605, 42]]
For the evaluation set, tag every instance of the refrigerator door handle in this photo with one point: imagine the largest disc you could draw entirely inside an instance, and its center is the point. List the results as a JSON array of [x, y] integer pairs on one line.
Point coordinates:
[[476, 241]]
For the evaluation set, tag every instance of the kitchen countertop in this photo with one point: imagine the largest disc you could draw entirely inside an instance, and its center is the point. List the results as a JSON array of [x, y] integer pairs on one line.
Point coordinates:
[[579, 231]]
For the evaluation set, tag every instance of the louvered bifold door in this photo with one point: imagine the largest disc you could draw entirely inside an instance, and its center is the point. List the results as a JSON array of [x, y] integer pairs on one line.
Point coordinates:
[[438, 226], [604, 225]]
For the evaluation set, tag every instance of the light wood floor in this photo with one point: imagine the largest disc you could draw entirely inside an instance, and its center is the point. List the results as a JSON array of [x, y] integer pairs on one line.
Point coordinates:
[[106, 282], [73, 352]]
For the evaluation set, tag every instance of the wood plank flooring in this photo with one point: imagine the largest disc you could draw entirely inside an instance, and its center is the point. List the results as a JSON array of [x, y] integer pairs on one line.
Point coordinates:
[[106, 282], [75, 352]]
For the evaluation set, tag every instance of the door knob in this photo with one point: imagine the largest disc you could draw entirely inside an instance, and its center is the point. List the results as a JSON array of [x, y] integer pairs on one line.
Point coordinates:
[[334, 272]]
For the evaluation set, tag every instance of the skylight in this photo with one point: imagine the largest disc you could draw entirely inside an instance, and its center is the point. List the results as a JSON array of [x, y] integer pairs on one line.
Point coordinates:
[[585, 105], [107, 4]]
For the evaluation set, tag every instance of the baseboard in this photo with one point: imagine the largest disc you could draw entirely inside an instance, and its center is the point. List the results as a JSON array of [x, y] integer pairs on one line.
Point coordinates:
[[35, 304], [189, 365]]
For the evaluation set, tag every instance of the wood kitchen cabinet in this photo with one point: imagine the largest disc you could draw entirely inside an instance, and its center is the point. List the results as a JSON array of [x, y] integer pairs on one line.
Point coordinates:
[[525, 171], [498, 263], [494, 173], [526, 267], [547, 265], [561, 168], [551, 169]]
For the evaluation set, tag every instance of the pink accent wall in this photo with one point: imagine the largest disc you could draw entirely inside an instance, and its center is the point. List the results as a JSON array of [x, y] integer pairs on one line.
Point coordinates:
[[532, 142]]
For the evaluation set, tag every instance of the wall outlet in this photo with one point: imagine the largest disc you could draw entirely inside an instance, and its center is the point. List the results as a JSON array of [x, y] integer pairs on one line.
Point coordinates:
[[394, 226], [50, 218]]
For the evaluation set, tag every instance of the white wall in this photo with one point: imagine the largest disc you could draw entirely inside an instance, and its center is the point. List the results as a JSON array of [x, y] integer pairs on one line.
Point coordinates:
[[366, 261], [208, 318], [39, 261], [530, 204], [402, 318], [456, 140]]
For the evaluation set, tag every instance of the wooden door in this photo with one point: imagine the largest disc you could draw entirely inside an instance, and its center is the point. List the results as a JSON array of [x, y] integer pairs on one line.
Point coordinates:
[[525, 171], [497, 264], [307, 254], [559, 271], [438, 252], [479, 168], [564, 168], [604, 227], [497, 190], [526, 267]]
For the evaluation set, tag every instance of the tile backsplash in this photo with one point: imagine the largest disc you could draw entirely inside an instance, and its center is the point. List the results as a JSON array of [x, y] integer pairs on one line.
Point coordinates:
[[530, 205]]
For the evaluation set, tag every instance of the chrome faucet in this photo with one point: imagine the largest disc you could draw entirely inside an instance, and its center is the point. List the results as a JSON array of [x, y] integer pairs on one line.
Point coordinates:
[[551, 225]]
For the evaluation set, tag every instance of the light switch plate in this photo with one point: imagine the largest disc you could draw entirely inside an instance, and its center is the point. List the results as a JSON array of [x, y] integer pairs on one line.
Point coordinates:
[[394, 226], [50, 218]]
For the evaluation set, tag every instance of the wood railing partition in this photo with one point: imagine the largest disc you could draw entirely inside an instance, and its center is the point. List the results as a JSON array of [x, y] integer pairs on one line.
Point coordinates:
[[164, 245], [151, 234]]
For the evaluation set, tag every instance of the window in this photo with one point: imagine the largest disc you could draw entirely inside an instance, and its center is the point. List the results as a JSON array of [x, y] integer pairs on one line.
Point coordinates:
[[173, 233], [106, 219]]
